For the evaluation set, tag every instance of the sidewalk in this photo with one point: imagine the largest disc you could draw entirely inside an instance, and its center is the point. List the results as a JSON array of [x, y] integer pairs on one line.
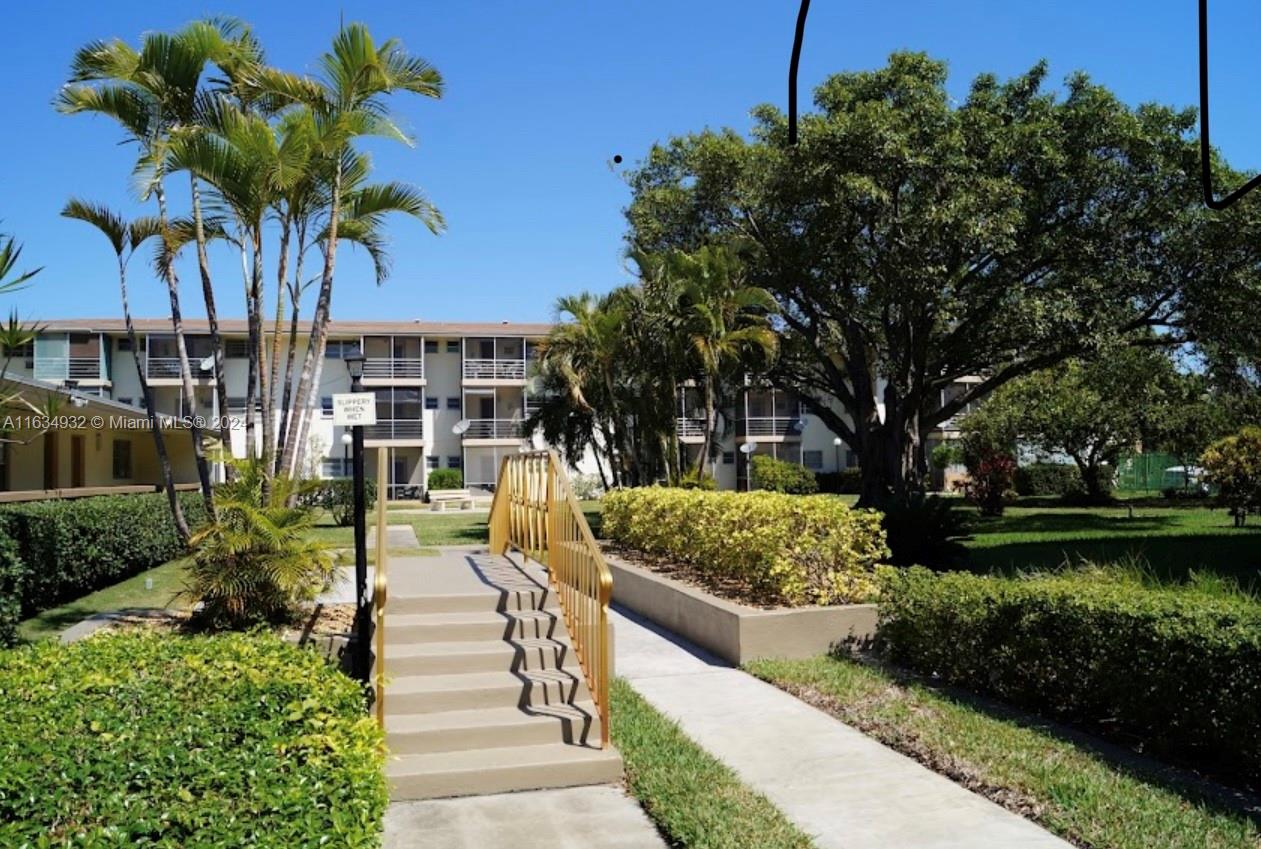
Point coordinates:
[[836, 784]]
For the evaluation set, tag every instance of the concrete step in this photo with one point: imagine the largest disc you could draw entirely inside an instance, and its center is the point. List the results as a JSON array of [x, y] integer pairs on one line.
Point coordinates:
[[460, 627], [459, 730], [500, 770], [477, 690], [483, 602], [477, 656]]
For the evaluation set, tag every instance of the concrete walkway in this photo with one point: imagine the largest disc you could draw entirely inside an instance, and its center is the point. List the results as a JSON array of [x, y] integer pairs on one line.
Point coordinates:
[[598, 817], [838, 785]]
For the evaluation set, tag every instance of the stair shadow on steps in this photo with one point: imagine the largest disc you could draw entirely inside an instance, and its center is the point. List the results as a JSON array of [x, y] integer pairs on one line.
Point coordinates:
[[514, 584]]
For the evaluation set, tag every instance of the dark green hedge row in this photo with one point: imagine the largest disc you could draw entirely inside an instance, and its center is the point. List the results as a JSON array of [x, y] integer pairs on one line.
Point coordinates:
[[70, 548], [1178, 670], [143, 739], [1047, 479], [11, 570]]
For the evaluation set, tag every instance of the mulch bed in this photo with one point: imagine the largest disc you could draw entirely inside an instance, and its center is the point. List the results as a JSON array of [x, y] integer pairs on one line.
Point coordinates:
[[724, 586], [319, 620]]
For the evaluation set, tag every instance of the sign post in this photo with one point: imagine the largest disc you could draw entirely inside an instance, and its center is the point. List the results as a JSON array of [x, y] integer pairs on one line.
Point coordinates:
[[355, 410]]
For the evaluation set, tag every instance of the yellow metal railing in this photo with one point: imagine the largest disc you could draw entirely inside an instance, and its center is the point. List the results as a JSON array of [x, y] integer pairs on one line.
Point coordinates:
[[536, 512], [379, 585]]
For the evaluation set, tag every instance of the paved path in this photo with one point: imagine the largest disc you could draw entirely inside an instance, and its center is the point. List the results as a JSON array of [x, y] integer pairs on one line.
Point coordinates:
[[396, 536], [599, 817], [838, 785]]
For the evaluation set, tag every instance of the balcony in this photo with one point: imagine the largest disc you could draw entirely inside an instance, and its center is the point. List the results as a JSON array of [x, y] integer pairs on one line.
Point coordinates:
[[493, 429], [410, 430], [773, 427], [162, 367], [60, 369], [389, 368], [483, 369], [691, 428]]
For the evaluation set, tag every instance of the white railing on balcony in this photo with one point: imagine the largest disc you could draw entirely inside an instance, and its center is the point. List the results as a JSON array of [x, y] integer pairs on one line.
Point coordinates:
[[395, 429], [384, 368], [772, 426], [67, 368], [493, 429], [494, 369], [163, 366], [689, 427]]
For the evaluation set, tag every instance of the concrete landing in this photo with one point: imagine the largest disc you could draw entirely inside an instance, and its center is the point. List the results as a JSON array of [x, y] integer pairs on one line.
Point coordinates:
[[396, 536], [574, 818], [838, 785]]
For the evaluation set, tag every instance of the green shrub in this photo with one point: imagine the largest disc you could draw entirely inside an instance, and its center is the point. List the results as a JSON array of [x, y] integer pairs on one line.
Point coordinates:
[[1233, 465], [693, 479], [1048, 479], [1176, 668], [781, 476], [11, 572], [848, 481], [73, 547], [446, 479], [923, 530], [337, 496], [946, 454], [791, 549], [143, 739]]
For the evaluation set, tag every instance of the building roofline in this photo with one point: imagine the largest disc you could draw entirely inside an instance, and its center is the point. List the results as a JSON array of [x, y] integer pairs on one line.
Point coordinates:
[[336, 328]]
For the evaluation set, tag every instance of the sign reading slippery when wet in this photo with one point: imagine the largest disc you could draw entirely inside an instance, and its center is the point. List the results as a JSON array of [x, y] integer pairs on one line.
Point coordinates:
[[354, 408]]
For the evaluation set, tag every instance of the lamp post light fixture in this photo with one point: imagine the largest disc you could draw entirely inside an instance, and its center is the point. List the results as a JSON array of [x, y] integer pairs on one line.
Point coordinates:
[[836, 443], [362, 660], [747, 450]]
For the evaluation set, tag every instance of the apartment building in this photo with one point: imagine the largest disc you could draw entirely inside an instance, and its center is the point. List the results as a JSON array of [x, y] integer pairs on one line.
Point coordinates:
[[448, 395]]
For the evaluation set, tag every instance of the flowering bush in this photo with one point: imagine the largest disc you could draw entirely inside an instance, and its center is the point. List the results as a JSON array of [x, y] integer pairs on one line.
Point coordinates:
[[794, 550], [990, 478], [1234, 465]]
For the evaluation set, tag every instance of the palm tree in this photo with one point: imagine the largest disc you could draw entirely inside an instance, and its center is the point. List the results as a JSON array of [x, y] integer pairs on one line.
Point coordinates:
[[125, 238], [724, 321], [346, 101], [10, 279]]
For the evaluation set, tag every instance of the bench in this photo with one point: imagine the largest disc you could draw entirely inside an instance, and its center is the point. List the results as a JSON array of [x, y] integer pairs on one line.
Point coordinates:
[[440, 498]]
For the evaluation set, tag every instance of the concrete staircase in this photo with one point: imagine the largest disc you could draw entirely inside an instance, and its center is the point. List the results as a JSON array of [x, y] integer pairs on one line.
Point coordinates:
[[484, 693]]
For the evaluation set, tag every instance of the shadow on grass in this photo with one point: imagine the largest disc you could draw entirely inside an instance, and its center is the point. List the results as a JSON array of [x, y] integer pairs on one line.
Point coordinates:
[[1224, 795], [1073, 523], [50, 623]]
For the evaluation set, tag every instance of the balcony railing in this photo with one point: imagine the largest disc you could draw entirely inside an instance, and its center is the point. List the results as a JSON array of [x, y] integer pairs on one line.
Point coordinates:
[[395, 429], [772, 426], [494, 369], [493, 429], [384, 368], [67, 368], [162, 366], [689, 427]]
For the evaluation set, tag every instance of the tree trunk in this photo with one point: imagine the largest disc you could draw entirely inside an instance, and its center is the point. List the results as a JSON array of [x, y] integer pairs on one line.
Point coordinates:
[[251, 376], [277, 326], [295, 296], [212, 319], [707, 443], [186, 375], [159, 441], [888, 462], [259, 355], [319, 325]]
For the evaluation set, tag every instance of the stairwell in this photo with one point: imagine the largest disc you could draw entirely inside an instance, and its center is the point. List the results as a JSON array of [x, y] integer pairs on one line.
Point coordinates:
[[483, 691]]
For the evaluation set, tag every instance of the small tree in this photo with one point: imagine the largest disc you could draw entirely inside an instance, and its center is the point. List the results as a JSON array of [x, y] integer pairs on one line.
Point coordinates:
[[1234, 465], [776, 475]]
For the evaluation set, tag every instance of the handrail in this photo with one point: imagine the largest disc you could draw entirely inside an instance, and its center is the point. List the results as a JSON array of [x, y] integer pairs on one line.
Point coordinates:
[[379, 587], [535, 511]]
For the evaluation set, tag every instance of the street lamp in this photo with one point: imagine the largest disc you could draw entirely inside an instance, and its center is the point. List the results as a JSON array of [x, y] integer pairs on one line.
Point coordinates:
[[354, 364], [747, 450], [836, 443]]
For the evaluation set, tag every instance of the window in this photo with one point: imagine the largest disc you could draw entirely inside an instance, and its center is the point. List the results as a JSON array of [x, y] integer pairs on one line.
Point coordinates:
[[124, 344], [431, 463], [340, 349], [431, 346], [336, 467], [454, 462], [812, 460], [326, 406], [728, 457], [453, 403], [122, 459], [453, 346], [431, 403], [239, 349]]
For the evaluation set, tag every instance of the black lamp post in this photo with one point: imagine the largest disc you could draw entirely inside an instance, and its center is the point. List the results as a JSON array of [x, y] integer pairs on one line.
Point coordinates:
[[362, 660]]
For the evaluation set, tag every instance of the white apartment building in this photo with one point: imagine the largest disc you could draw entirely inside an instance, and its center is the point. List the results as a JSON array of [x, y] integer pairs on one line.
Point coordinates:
[[427, 378]]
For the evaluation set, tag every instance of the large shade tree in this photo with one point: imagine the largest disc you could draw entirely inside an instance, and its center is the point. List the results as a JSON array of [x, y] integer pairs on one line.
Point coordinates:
[[912, 240]]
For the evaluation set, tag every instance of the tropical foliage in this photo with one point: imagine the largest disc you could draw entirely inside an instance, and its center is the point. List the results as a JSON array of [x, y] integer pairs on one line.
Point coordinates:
[[1233, 464]]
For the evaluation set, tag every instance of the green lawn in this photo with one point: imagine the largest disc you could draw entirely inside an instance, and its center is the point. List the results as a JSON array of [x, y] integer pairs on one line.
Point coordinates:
[[1172, 540], [1091, 796], [168, 579], [693, 798]]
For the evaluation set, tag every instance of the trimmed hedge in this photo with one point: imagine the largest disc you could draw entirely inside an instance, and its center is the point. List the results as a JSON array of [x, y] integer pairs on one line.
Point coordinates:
[[143, 739], [848, 481], [776, 475], [70, 548], [446, 479], [1179, 669], [1048, 479], [791, 549], [11, 571]]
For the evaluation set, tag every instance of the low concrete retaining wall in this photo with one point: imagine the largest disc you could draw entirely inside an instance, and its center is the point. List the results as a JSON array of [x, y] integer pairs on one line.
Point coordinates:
[[735, 632]]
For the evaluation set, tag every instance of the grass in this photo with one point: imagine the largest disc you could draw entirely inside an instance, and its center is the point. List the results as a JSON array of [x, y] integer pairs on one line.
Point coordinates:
[[1087, 793], [1174, 541], [695, 801], [168, 579]]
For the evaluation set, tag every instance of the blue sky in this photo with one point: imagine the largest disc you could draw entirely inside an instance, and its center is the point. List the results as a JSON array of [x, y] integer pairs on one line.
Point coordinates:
[[540, 97]]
